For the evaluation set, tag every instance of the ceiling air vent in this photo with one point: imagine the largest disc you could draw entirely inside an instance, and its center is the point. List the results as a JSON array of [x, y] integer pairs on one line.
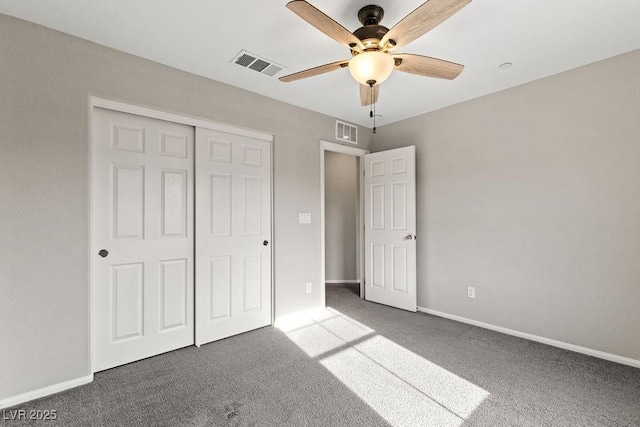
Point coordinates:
[[346, 132], [263, 66]]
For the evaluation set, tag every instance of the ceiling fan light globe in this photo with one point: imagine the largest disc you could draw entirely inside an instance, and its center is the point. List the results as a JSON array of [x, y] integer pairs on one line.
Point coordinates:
[[371, 66]]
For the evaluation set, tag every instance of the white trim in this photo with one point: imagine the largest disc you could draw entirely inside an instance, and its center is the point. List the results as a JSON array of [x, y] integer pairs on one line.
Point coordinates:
[[342, 281], [560, 344], [45, 391], [360, 153], [90, 231], [271, 237], [178, 118], [344, 149]]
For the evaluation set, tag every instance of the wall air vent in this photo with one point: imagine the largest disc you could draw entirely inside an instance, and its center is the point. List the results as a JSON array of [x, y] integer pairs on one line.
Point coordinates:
[[346, 132], [254, 62]]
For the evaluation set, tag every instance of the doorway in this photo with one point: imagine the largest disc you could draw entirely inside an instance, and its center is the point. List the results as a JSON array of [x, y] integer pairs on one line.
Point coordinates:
[[342, 217], [386, 227]]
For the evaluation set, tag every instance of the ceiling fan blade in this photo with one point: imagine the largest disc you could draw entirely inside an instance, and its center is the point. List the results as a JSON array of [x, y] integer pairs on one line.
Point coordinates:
[[365, 94], [315, 71], [422, 20], [324, 23], [427, 66]]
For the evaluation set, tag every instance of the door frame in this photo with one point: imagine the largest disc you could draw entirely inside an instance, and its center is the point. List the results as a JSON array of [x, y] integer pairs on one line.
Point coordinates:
[[99, 102], [359, 153]]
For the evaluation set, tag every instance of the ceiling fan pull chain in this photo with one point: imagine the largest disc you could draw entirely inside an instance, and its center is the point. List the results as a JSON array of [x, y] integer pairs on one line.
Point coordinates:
[[372, 111], [374, 117], [371, 83], [373, 103]]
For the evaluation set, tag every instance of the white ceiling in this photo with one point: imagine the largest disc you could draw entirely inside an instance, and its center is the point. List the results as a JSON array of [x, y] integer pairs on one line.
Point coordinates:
[[540, 38]]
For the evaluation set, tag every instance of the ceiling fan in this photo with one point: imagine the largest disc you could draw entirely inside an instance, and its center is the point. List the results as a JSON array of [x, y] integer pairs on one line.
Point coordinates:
[[373, 45]]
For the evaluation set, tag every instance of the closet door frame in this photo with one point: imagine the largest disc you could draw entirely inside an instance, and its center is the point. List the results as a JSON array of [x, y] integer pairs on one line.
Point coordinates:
[[95, 101]]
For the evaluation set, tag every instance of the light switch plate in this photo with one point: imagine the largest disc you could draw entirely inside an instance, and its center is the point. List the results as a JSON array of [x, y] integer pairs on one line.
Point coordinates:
[[304, 218]]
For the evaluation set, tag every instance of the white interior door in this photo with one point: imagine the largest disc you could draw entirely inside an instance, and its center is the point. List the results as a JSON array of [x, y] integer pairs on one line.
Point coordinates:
[[233, 244], [390, 228], [142, 226]]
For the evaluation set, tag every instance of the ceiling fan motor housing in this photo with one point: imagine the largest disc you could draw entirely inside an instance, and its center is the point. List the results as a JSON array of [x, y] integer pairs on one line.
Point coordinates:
[[371, 32]]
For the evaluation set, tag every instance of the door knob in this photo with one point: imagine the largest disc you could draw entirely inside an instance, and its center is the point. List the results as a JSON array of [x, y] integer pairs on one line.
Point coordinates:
[[408, 237], [266, 242], [103, 253]]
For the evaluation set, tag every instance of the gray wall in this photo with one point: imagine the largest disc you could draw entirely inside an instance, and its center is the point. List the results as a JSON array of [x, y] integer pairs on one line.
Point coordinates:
[[532, 195], [341, 199], [47, 78]]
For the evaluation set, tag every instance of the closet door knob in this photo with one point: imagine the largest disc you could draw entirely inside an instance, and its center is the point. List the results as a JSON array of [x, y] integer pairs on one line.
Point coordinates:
[[266, 242], [103, 253]]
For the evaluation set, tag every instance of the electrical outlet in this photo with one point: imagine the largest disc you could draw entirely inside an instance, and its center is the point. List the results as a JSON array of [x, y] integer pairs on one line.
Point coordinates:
[[309, 287], [471, 292]]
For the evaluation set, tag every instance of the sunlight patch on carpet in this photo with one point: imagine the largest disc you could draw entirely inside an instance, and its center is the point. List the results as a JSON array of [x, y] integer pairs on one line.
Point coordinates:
[[401, 386], [320, 331]]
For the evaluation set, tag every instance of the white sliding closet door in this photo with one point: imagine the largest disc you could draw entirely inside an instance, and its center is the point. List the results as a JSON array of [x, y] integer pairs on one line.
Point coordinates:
[[142, 237], [233, 234]]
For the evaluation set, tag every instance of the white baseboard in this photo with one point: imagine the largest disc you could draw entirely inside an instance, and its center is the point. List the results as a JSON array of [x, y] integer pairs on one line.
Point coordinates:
[[46, 391], [342, 281], [560, 344]]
